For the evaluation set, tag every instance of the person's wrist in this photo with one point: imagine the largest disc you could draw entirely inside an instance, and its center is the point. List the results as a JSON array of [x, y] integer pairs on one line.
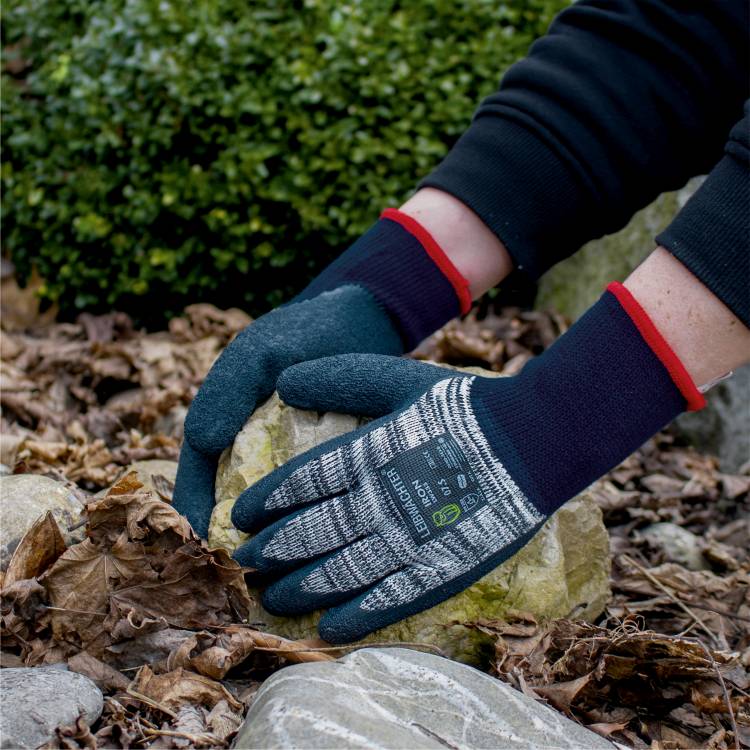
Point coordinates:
[[477, 253], [704, 333]]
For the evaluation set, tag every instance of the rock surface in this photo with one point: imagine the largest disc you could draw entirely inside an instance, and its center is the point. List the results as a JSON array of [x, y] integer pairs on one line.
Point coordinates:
[[397, 698], [572, 286], [36, 700], [563, 571], [273, 435], [25, 497], [679, 545]]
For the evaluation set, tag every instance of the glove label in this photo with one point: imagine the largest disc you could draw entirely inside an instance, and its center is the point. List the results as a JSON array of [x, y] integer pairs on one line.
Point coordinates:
[[432, 487]]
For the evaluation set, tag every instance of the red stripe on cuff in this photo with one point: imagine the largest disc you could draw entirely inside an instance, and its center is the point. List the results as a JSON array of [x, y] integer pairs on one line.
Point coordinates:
[[441, 260], [680, 376]]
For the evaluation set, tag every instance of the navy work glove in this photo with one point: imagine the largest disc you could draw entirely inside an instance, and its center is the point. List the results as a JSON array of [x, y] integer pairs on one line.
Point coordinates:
[[456, 474], [390, 290]]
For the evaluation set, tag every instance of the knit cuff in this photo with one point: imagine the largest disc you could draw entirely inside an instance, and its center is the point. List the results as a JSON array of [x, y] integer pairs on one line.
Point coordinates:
[[574, 412], [407, 273], [694, 399]]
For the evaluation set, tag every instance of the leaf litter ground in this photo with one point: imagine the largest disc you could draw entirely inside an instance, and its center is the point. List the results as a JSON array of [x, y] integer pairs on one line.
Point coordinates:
[[158, 620]]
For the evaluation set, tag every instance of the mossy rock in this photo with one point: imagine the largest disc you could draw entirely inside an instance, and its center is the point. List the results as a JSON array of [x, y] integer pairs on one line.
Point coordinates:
[[563, 571]]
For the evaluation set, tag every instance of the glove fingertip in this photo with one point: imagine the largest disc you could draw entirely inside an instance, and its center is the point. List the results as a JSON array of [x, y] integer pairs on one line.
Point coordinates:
[[276, 601], [248, 556], [193, 495], [339, 625]]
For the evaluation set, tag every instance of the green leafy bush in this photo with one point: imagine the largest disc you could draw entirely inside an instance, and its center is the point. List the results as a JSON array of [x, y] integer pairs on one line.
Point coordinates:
[[159, 152]]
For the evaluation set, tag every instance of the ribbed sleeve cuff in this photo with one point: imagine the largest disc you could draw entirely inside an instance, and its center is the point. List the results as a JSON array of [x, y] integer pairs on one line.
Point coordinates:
[[522, 187], [711, 235]]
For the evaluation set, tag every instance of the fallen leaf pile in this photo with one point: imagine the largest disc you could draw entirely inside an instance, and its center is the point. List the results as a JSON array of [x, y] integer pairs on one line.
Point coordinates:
[[502, 341], [668, 664], [156, 619], [85, 399], [640, 687], [149, 613]]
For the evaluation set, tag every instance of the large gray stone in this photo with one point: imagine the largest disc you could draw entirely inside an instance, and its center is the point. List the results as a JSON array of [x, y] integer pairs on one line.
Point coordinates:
[[398, 698], [25, 497], [563, 571], [34, 701], [571, 287]]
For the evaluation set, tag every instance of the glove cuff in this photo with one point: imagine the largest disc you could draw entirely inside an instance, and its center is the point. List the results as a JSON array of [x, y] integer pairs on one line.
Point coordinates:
[[576, 411], [399, 262]]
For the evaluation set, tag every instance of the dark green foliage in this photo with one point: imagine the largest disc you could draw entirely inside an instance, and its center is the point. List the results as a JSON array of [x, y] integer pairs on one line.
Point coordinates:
[[158, 152]]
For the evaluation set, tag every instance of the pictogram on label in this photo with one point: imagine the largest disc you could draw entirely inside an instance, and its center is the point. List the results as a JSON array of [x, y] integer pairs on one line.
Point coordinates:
[[432, 487]]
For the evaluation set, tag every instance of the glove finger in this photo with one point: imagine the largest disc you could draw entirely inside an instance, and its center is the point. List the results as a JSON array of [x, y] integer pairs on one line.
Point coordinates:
[[194, 488], [312, 476], [306, 535], [246, 371], [323, 471], [334, 579], [368, 385], [406, 593]]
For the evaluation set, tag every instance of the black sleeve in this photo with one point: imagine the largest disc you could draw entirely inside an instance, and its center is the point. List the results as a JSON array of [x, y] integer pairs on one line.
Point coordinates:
[[620, 101], [711, 234]]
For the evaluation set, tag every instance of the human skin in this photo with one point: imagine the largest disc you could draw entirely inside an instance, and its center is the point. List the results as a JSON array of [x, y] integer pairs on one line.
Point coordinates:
[[703, 332]]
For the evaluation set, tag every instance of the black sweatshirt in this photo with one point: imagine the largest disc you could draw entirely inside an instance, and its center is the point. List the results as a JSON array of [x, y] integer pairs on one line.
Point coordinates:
[[620, 101]]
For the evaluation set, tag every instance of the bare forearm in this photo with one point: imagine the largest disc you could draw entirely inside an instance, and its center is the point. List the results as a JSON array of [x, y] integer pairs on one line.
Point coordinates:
[[476, 251], [705, 335]]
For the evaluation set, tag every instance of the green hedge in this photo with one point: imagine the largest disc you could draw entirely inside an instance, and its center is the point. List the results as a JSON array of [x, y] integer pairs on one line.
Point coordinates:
[[158, 153]]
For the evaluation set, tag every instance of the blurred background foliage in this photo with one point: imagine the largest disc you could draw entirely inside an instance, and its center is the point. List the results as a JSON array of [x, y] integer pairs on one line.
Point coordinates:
[[159, 152]]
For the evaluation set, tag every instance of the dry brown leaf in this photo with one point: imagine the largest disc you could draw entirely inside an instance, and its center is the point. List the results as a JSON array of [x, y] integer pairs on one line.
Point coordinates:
[[81, 582], [223, 721], [180, 687], [22, 609], [562, 694], [141, 569], [40, 546], [106, 677], [72, 737], [214, 654], [145, 648], [606, 729]]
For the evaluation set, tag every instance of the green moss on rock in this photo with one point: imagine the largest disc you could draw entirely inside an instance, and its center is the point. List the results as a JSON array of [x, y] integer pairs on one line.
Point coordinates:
[[564, 571]]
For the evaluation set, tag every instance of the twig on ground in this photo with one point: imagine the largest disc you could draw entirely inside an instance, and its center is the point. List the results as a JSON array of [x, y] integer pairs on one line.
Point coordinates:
[[723, 684], [357, 646], [150, 702], [662, 587]]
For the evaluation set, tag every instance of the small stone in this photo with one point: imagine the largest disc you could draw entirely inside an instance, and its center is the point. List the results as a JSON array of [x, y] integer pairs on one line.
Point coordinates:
[[678, 545], [562, 572], [399, 698], [147, 470], [25, 497], [37, 700]]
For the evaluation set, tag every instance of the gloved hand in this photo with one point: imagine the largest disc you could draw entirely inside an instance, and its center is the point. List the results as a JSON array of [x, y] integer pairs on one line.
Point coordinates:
[[456, 475], [390, 290]]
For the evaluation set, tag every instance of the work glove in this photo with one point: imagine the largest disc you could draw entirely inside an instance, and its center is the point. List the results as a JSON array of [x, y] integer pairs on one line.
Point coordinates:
[[390, 290], [457, 472]]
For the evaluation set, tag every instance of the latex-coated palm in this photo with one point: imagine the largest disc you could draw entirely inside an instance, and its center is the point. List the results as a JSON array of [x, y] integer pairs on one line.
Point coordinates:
[[344, 320], [392, 518]]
